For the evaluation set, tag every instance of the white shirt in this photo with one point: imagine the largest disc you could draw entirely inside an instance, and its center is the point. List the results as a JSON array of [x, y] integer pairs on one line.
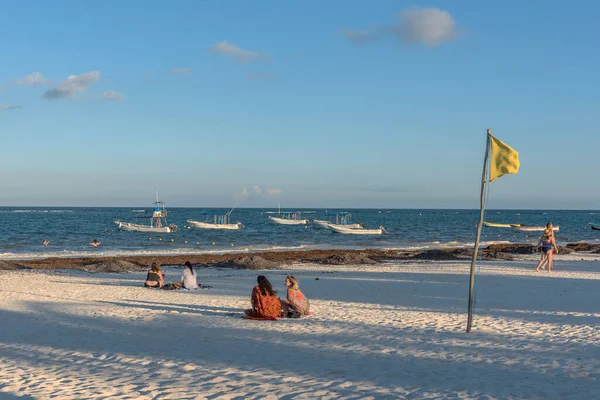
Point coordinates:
[[188, 279]]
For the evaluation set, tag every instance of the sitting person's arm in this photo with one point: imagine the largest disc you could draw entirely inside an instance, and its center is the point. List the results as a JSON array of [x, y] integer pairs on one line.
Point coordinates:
[[256, 303]]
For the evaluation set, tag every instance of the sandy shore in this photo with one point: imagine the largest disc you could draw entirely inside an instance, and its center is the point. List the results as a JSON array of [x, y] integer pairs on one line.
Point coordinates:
[[391, 330]]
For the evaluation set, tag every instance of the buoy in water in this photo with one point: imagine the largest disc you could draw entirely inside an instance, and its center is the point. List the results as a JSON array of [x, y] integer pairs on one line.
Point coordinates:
[[213, 243], [172, 240], [186, 242]]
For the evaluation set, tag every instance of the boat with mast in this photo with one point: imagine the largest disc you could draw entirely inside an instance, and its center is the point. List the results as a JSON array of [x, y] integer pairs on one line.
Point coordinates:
[[216, 220], [344, 220], [356, 231], [288, 218], [158, 221]]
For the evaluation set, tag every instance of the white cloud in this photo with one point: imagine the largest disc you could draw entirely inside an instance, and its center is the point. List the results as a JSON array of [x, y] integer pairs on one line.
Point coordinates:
[[33, 79], [358, 36], [180, 71], [72, 85], [256, 192], [113, 95], [233, 51], [429, 26], [10, 107]]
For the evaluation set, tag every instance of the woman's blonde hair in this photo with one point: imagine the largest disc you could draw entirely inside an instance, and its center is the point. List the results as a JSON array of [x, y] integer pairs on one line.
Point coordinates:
[[155, 266], [548, 231], [293, 281]]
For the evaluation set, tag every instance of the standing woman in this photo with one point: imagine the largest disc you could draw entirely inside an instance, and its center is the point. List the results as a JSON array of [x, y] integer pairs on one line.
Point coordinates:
[[264, 302], [548, 244], [296, 301]]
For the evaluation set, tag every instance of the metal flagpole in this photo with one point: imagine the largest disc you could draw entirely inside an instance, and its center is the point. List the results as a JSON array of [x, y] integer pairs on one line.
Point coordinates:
[[478, 237]]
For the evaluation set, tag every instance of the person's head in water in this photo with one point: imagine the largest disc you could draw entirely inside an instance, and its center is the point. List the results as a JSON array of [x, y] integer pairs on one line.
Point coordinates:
[[265, 286]]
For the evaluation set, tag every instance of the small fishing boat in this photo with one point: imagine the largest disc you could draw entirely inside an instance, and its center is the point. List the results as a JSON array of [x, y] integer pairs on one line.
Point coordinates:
[[344, 220], [525, 228], [595, 226], [216, 220], [497, 225], [158, 221], [289, 218], [355, 231], [320, 222]]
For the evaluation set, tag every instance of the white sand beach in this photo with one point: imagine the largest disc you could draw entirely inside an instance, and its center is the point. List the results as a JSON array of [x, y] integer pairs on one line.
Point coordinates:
[[384, 331]]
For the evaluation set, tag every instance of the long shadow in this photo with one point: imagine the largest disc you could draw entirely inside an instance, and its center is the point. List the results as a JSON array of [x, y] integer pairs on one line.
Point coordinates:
[[334, 356]]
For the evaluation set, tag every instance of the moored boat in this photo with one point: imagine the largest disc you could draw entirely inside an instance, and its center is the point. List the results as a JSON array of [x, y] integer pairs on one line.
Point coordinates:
[[595, 226], [355, 231], [289, 218], [525, 228], [158, 221], [497, 225], [216, 220]]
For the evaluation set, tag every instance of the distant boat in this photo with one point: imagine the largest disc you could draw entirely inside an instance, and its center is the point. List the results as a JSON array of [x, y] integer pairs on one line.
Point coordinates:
[[216, 220], [158, 221], [595, 226], [320, 222], [344, 220], [289, 218], [525, 228], [497, 225], [355, 231]]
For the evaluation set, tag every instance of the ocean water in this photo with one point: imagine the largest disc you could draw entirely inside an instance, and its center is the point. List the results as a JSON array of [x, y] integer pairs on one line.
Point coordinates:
[[69, 230]]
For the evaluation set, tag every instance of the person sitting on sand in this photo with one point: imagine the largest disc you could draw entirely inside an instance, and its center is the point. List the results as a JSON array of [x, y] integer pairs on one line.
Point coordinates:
[[188, 277], [95, 243], [155, 276], [548, 245], [265, 304], [296, 304]]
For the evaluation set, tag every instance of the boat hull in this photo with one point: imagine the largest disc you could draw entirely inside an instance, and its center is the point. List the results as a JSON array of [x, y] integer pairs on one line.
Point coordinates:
[[496, 225], [535, 228], [354, 231], [321, 223], [282, 221], [206, 225], [347, 226], [595, 227], [128, 226]]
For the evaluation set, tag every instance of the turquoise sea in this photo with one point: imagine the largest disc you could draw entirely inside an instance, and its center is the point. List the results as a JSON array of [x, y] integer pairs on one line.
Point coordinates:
[[69, 230]]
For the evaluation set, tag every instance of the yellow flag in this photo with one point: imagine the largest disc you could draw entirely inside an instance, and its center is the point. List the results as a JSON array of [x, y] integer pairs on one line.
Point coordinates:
[[505, 160]]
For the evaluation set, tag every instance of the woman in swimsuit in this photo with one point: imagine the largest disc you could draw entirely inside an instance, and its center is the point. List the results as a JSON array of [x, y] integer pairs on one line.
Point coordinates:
[[548, 245], [155, 277]]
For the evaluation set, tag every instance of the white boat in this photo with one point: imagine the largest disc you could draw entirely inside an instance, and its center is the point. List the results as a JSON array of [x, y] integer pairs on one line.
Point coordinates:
[[216, 220], [289, 218], [344, 220], [158, 221], [498, 225], [320, 222], [355, 231], [525, 228]]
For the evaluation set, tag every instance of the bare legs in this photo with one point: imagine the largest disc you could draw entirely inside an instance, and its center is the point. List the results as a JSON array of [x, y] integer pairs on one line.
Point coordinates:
[[542, 262], [546, 259]]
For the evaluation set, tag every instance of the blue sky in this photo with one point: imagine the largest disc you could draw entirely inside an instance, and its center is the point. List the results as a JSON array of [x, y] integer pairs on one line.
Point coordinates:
[[310, 104]]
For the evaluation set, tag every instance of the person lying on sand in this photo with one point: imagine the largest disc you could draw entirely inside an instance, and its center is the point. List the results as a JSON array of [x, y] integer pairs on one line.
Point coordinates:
[[155, 277], [265, 304], [296, 303]]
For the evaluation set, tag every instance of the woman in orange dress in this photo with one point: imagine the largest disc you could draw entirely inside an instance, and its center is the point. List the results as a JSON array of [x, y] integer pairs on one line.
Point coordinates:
[[265, 303]]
